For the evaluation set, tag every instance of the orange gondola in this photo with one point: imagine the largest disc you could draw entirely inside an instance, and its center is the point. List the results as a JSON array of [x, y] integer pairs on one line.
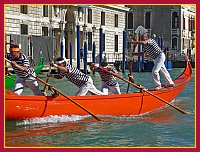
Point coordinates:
[[136, 103]]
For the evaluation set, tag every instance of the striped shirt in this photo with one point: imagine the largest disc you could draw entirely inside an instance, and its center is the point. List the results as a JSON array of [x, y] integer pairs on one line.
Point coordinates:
[[21, 61], [152, 48], [106, 77], [74, 75]]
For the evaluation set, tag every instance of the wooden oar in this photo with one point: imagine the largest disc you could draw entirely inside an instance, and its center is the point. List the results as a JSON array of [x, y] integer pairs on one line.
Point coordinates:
[[49, 72], [47, 80], [131, 78], [58, 91], [143, 89]]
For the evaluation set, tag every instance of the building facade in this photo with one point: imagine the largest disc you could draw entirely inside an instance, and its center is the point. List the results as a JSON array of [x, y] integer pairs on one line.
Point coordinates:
[[29, 26], [175, 23], [52, 28], [60, 22]]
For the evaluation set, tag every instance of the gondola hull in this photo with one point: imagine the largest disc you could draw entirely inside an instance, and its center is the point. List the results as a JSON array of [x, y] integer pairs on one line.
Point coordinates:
[[21, 107]]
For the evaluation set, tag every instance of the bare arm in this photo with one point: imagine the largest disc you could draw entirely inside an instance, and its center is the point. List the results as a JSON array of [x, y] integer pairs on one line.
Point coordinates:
[[61, 68], [138, 42], [93, 66], [13, 63], [138, 54]]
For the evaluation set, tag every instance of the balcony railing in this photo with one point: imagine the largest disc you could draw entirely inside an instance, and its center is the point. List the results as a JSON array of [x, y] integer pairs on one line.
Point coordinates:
[[175, 32], [111, 57]]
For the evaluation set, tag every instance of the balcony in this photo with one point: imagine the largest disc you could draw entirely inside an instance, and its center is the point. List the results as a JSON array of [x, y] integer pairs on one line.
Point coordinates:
[[175, 32]]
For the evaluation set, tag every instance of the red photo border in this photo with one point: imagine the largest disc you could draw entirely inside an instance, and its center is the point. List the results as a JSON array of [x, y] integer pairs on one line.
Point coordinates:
[[2, 148]]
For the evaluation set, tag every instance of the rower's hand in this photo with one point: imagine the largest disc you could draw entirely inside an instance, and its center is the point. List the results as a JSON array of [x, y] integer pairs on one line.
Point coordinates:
[[131, 78], [52, 64], [49, 74], [133, 42], [13, 63], [23, 68], [93, 66]]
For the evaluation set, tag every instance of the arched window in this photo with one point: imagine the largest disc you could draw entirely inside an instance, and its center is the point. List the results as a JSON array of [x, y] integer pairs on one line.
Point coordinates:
[[130, 20], [175, 20], [174, 44], [147, 20]]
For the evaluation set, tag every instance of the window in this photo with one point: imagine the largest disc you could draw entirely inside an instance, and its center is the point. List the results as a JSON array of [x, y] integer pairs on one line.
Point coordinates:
[[104, 42], [80, 14], [191, 24], [24, 9], [116, 20], [175, 20], [116, 43], [183, 44], [89, 15], [45, 31], [147, 20], [24, 29], [183, 22], [89, 40], [102, 18], [45, 10], [174, 44], [130, 20]]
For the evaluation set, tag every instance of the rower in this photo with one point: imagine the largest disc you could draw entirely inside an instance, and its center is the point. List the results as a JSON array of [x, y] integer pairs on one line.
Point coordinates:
[[18, 59], [155, 52]]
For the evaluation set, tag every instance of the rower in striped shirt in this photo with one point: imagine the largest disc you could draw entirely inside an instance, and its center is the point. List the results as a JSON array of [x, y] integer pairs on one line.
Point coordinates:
[[81, 80], [108, 81], [155, 52], [23, 79]]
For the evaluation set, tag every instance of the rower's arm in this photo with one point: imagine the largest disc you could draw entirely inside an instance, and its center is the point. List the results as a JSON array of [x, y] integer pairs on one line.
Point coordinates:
[[57, 76], [138, 54], [138, 42], [13, 63], [60, 68]]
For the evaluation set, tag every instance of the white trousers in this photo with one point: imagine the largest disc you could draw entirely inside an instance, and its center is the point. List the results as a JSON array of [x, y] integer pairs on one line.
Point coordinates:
[[159, 66], [29, 82], [106, 88], [88, 87]]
